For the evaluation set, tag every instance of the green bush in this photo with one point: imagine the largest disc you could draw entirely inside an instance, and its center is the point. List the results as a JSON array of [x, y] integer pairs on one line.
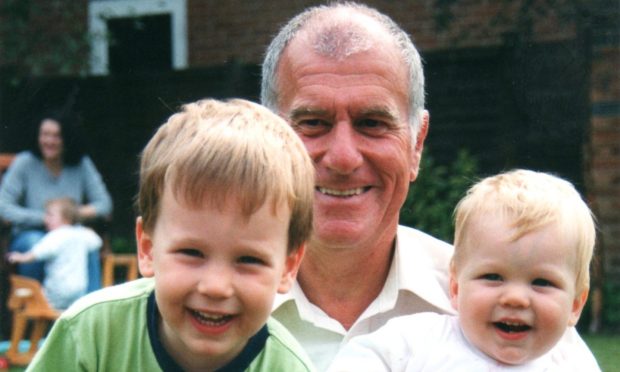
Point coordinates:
[[433, 196], [611, 307], [123, 245]]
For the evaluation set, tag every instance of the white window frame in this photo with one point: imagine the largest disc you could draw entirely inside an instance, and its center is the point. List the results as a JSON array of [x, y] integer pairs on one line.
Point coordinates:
[[99, 12]]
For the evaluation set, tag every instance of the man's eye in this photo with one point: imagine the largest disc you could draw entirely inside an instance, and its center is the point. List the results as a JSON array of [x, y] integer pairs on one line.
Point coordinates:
[[251, 260], [491, 277], [540, 282], [371, 126], [311, 127]]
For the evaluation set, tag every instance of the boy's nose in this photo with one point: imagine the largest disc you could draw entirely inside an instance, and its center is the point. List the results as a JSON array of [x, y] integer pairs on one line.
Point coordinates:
[[216, 283]]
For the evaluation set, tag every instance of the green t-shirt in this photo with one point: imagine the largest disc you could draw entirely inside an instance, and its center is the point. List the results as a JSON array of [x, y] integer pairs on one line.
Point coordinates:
[[108, 330]]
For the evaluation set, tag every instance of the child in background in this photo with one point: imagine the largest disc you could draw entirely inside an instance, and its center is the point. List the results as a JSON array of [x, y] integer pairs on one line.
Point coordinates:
[[64, 249], [519, 277], [225, 205]]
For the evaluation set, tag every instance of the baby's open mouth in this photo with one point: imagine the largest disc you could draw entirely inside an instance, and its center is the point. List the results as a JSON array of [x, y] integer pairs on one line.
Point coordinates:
[[512, 327]]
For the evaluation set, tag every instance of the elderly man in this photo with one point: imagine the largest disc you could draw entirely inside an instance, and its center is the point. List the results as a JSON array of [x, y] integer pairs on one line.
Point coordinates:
[[350, 82]]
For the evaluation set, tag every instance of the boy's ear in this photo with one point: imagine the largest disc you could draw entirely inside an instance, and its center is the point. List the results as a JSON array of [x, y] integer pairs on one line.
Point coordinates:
[[454, 288], [578, 303], [291, 266], [145, 250]]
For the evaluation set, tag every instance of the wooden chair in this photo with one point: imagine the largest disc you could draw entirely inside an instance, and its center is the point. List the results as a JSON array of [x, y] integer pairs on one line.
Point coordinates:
[[29, 305], [5, 232], [111, 261]]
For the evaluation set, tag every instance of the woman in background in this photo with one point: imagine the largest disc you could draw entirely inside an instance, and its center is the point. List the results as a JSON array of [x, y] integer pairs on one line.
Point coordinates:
[[56, 166]]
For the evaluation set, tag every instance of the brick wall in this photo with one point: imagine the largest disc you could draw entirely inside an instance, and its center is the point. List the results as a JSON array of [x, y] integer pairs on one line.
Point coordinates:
[[236, 29], [604, 142]]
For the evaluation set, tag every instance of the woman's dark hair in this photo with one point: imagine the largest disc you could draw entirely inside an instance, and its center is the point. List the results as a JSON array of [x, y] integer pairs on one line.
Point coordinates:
[[70, 132]]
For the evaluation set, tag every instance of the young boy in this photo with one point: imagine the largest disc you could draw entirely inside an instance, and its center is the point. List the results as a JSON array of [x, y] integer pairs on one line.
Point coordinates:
[[65, 250], [519, 277], [225, 205]]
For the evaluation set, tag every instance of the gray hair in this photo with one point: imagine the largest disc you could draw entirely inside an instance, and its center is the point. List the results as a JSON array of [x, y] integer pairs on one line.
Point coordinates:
[[338, 41]]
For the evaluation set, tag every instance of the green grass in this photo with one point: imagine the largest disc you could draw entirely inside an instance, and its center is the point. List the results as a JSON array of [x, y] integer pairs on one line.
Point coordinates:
[[606, 349]]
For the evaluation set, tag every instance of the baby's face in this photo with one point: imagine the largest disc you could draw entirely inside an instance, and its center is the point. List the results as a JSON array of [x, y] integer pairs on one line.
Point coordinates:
[[216, 276], [515, 299], [53, 217]]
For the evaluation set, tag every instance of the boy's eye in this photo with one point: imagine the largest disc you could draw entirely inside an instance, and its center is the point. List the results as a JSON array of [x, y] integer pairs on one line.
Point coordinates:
[[491, 277], [251, 260], [191, 252], [540, 282]]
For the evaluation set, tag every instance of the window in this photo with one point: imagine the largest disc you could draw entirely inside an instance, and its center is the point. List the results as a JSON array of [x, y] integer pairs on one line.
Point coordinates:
[[137, 35]]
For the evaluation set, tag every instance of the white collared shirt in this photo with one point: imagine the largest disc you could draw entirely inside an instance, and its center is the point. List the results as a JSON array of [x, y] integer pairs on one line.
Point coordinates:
[[426, 342], [417, 282]]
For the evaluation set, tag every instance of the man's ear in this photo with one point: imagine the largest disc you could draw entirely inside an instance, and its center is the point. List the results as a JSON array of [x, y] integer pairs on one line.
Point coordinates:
[[578, 303], [418, 146], [454, 288], [291, 266], [145, 249]]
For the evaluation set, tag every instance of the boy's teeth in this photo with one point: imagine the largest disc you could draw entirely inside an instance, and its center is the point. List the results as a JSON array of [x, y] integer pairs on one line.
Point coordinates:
[[335, 192], [211, 318]]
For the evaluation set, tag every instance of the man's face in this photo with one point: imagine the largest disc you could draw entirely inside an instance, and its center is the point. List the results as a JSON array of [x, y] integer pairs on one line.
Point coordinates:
[[352, 115]]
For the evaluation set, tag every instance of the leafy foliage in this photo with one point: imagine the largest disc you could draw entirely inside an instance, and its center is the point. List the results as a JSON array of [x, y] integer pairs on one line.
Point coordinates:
[[433, 196], [44, 37]]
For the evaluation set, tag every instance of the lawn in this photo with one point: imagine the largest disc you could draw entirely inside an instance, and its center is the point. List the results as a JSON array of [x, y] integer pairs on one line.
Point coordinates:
[[606, 349]]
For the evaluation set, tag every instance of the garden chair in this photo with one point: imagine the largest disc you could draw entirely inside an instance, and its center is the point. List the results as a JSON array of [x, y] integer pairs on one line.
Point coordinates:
[[29, 305], [111, 261]]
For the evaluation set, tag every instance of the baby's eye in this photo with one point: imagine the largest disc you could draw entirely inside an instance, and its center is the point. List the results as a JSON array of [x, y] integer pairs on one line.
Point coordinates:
[[540, 282], [251, 260], [491, 277]]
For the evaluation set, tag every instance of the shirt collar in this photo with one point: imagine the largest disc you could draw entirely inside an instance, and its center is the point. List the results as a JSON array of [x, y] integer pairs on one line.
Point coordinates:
[[419, 272]]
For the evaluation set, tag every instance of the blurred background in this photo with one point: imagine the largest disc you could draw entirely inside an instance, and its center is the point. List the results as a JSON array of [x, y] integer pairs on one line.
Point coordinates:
[[521, 83]]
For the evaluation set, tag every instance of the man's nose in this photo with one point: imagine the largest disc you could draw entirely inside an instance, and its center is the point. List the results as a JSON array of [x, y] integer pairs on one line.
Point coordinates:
[[342, 154]]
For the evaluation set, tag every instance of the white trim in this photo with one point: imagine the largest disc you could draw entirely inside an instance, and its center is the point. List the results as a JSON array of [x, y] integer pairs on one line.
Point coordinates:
[[100, 11]]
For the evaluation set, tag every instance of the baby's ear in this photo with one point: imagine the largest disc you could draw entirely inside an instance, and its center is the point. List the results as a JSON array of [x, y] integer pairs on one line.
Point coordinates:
[[578, 304], [145, 249], [454, 287], [291, 266]]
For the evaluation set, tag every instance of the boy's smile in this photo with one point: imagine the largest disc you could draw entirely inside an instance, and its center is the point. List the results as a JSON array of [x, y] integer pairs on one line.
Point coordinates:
[[217, 272]]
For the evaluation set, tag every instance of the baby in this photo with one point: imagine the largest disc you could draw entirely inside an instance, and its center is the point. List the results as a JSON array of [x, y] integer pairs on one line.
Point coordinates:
[[518, 278], [64, 249]]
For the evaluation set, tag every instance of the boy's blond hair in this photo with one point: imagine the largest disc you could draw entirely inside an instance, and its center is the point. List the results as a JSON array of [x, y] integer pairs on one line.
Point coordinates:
[[213, 150], [530, 200], [68, 209]]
